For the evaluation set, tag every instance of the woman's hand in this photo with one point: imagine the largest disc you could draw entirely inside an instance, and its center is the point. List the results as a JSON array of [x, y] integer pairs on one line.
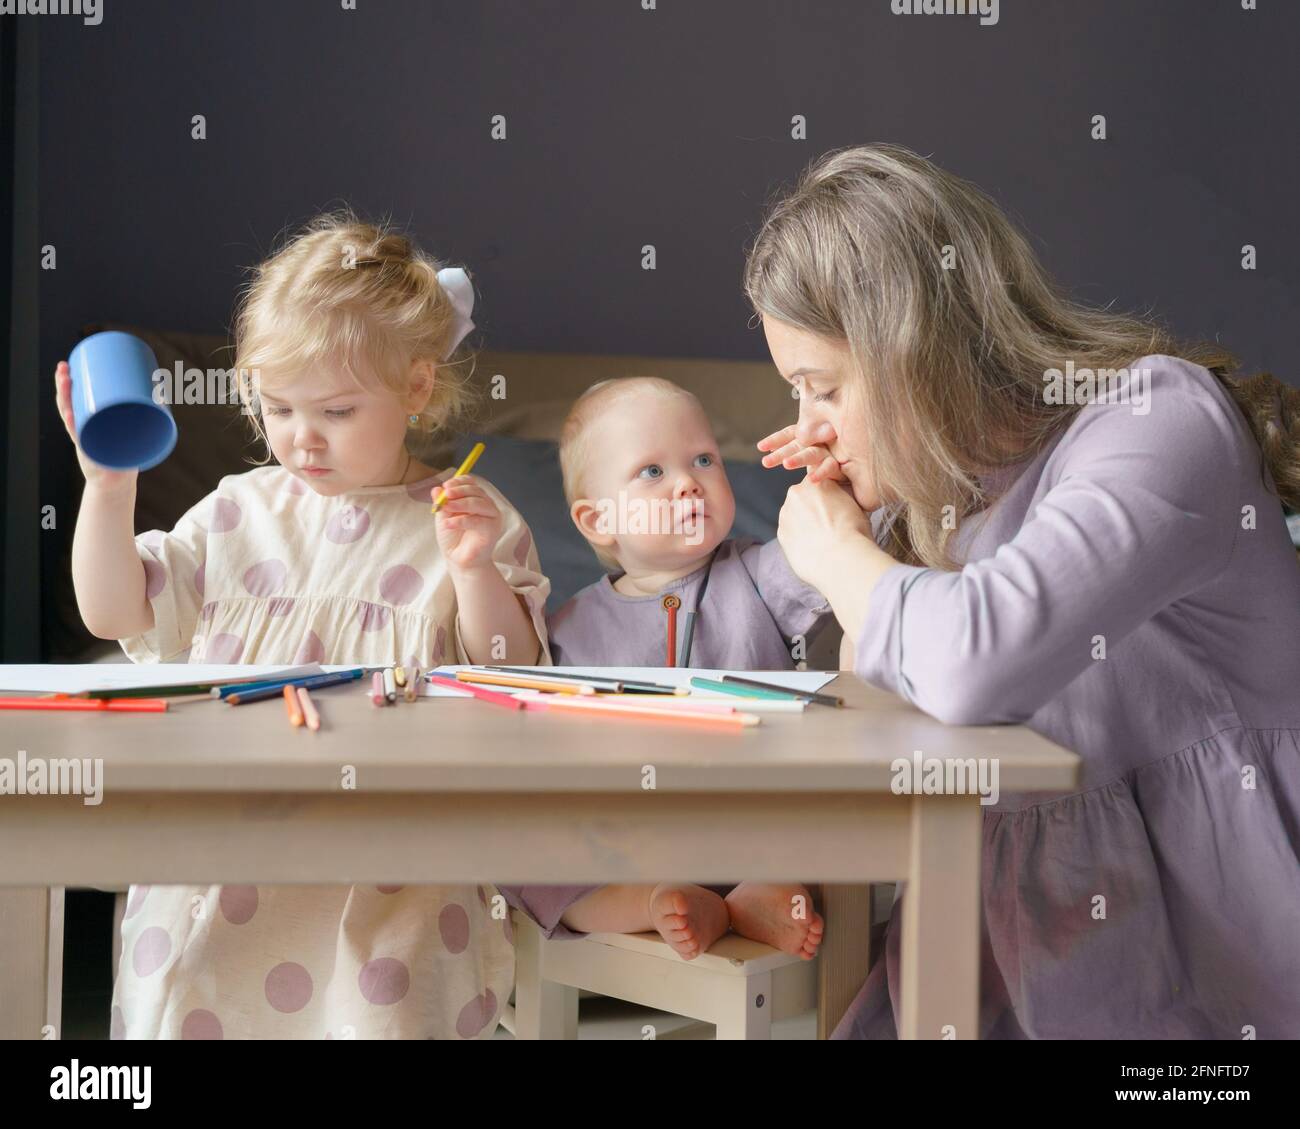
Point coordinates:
[[788, 452], [96, 475], [469, 524], [816, 523]]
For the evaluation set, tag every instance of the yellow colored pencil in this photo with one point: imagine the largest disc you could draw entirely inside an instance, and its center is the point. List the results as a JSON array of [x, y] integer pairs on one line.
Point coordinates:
[[465, 468]]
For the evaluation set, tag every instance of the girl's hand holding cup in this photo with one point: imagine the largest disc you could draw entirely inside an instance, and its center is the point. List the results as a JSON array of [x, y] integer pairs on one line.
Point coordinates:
[[97, 476]]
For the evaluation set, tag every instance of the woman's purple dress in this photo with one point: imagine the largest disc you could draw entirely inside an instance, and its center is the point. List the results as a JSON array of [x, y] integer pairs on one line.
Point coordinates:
[[1161, 898]]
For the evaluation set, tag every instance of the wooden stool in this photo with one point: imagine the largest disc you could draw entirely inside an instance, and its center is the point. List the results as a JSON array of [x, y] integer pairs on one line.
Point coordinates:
[[740, 985]]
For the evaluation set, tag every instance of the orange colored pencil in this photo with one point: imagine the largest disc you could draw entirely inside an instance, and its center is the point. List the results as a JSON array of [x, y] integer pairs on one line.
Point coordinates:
[[292, 707], [523, 682], [93, 705], [734, 720]]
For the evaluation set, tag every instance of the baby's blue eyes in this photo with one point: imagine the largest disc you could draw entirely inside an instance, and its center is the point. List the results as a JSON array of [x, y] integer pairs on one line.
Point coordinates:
[[702, 461]]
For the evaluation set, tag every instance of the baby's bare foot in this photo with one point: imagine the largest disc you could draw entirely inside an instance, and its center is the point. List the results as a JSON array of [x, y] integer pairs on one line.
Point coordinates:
[[689, 918], [780, 916]]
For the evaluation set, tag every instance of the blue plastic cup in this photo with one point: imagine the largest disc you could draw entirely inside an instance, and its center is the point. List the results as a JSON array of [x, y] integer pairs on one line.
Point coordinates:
[[119, 423]]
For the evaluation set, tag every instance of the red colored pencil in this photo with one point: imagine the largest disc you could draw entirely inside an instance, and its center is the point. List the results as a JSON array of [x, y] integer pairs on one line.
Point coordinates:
[[94, 705]]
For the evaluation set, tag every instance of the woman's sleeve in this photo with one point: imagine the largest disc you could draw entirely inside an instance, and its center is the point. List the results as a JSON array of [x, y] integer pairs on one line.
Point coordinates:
[[515, 555], [173, 567], [1143, 510], [796, 607]]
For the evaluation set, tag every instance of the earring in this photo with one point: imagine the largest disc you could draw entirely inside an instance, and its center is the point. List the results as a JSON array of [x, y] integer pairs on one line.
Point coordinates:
[[414, 420]]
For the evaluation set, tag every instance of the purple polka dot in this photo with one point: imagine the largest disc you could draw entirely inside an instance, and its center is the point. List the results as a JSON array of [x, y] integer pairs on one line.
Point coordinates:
[[224, 516], [117, 1024], [155, 578], [223, 648], [348, 525], [288, 987], [400, 584], [296, 486], [476, 1015], [384, 980], [312, 650], [238, 903], [373, 617], [138, 895], [265, 578], [522, 546], [153, 540], [206, 612], [201, 1024], [388, 889], [411, 660], [152, 948], [281, 606], [200, 577], [453, 924]]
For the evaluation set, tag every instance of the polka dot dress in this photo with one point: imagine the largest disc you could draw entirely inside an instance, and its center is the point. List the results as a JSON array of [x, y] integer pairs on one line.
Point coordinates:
[[264, 570]]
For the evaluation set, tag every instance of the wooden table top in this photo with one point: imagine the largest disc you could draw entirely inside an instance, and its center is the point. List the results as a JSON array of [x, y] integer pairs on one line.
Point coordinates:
[[463, 745]]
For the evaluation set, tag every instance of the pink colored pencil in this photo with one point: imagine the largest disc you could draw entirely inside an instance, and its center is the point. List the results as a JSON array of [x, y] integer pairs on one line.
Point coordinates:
[[509, 701]]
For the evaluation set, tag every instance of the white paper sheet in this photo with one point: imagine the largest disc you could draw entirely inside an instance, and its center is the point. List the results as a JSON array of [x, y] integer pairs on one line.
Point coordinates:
[[806, 680], [75, 678]]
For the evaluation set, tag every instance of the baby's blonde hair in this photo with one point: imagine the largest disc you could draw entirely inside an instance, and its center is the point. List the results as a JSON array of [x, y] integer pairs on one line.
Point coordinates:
[[359, 295], [575, 435]]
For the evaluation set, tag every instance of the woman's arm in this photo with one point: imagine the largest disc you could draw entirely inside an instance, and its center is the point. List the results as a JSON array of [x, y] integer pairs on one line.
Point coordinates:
[[1142, 510]]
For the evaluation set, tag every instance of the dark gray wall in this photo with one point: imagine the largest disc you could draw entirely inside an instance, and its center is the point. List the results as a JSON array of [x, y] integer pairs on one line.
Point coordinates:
[[668, 127]]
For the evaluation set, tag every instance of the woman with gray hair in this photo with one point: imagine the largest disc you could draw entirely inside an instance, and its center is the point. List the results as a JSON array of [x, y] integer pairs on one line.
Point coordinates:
[[1079, 527]]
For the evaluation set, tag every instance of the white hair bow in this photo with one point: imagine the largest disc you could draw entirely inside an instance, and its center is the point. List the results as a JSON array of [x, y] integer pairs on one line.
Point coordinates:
[[460, 290]]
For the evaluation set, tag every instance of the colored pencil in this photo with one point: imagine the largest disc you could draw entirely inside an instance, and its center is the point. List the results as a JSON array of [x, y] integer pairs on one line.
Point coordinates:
[[94, 705], [308, 708], [399, 676], [413, 684], [292, 706], [523, 682], [509, 701], [741, 691], [643, 712], [278, 684], [377, 696], [564, 672], [806, 695], [465, 468], [315, 682], [390, 684]]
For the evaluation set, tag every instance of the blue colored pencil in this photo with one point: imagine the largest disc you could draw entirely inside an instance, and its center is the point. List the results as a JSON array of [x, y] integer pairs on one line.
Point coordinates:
[[314, 682]]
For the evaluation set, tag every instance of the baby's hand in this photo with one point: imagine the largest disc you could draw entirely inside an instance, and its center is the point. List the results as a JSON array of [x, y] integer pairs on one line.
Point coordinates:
[[790, 453], [96, 475], [469, 523]]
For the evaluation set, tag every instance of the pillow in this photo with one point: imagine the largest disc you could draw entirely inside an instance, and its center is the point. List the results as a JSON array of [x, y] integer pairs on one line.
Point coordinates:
[[527, 472]]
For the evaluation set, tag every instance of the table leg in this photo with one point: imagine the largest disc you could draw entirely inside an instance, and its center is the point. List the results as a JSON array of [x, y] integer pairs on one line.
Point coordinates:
[[845, 955], [940, 943], [31, 962]]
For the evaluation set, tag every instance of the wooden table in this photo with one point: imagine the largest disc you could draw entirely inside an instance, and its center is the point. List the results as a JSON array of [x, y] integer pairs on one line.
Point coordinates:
[[455, 790]]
